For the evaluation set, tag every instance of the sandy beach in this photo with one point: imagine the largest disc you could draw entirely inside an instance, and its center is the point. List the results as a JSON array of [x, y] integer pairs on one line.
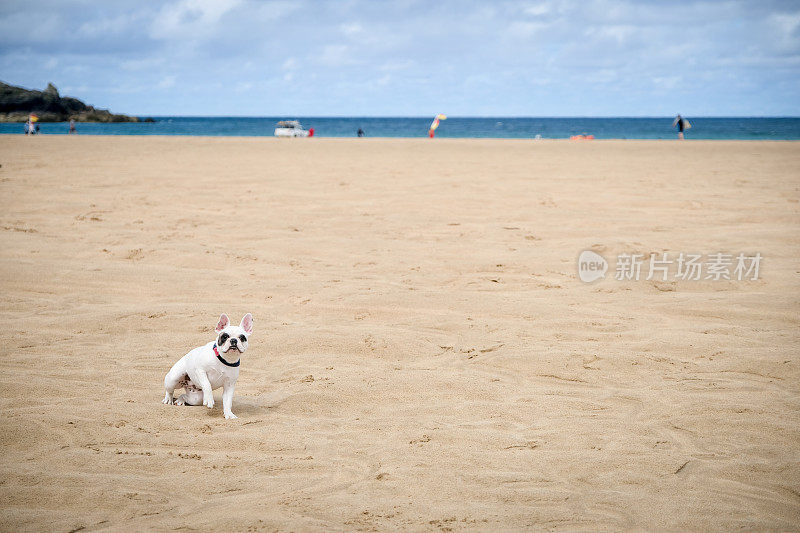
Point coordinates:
[[424, 357]]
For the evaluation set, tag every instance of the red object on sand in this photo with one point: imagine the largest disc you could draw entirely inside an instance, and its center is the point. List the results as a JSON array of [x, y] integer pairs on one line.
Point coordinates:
[[310, 132], [430, 134]]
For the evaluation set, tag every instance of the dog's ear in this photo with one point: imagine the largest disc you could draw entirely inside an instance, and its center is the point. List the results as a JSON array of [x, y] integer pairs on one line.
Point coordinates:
[[247, 323], [223, 322]]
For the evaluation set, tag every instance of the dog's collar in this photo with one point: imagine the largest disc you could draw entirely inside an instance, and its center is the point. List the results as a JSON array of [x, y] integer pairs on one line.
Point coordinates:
[[223, 361]]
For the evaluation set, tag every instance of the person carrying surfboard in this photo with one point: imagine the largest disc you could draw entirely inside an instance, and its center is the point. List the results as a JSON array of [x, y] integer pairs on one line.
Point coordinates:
[[682, 124]]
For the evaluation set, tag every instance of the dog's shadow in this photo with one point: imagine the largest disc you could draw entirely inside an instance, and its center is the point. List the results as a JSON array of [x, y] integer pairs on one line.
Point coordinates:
[[252, 406]]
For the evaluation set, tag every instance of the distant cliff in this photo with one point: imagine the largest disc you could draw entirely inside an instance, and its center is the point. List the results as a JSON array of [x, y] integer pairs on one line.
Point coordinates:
[[16, 103]]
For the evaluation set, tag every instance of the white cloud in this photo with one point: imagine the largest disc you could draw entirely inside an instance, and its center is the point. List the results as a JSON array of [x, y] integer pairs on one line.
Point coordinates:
[[351, 29], [190, 19], [243, 87], [103, 26], [275, 10], [667, 83], [166, 82], [403, 64], [335, 55], [617, 32], [788, 26], [537, 10], [146, 63], [526, 29]]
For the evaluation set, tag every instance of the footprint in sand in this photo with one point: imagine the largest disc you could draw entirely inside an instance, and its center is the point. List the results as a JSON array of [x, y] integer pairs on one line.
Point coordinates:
[[135, 254], [20, 229], [422, 440]]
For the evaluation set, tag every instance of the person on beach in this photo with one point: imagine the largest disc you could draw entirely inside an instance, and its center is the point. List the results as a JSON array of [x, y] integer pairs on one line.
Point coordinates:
[[682, 124], [29, 127], [360, 132], [72, 126]]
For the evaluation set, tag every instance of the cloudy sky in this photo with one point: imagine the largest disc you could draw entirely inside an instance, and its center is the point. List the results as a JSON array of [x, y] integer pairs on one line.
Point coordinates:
[[410, 58]]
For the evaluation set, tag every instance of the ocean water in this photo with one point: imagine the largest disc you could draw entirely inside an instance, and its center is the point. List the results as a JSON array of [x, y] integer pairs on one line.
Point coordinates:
[[745, 128]]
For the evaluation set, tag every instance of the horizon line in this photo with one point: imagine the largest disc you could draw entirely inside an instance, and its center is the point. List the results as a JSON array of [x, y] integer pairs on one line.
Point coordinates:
[[464, 116]]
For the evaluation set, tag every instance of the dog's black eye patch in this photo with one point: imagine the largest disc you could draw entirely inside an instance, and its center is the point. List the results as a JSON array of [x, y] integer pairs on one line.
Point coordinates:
[[242, 338], [223, 338]]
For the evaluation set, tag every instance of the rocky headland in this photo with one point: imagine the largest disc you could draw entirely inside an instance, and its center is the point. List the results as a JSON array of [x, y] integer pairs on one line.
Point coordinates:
[[18, 103]]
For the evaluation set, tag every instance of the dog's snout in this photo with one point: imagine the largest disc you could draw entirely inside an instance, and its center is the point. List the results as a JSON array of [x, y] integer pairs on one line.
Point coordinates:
[[234, 341]]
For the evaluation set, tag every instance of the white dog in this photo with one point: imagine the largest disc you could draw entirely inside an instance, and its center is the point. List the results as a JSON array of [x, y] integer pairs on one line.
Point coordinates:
[[208, 367]]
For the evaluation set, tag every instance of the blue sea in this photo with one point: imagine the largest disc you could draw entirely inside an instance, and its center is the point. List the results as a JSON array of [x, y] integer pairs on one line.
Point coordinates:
[[744, 128]]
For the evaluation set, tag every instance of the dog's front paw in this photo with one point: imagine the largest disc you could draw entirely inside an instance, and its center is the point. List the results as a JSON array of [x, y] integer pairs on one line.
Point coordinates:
[[209, 403], [167, 400], [230, 416]]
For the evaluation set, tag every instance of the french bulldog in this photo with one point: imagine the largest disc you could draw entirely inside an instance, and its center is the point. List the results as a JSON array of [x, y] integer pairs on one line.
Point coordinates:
[[210, 366]]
